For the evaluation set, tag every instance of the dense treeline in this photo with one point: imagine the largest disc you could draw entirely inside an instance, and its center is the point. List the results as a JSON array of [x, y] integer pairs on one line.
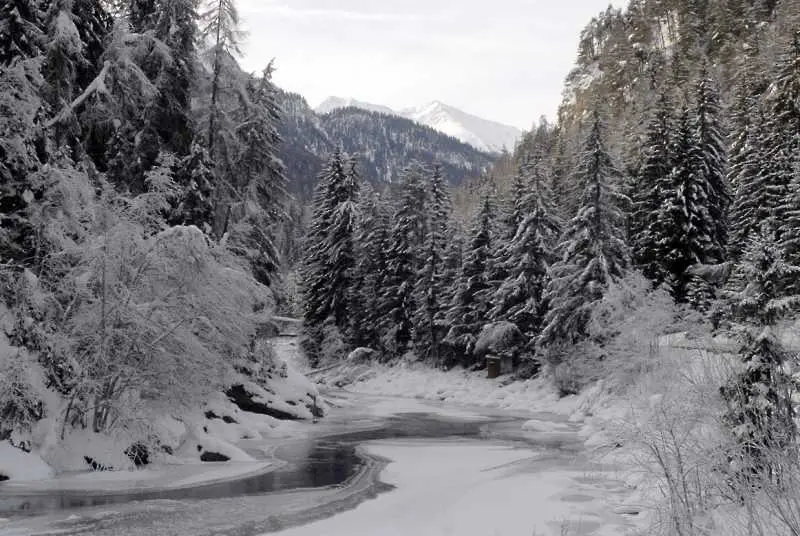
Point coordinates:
[[676, 157], [140, 199]]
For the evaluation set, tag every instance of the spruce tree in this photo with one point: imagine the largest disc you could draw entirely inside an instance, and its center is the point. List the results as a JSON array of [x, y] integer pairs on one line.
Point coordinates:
[[430, 289], [342, 251], [405, 259], [521, 297], [513, 213], [593, 252], [195, 204], [373, 242], [164, 54], [683, 229], [20, 30], [174, 24], [647, 192], [469, 309], [755, 197], [261, 182], [712, 154], [77, 31], [784, 140], [760, 410], [20, 184], [323, 299], [142, 15]]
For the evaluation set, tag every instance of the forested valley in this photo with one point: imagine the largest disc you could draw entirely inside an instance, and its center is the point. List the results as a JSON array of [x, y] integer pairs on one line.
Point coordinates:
[[158, 225]]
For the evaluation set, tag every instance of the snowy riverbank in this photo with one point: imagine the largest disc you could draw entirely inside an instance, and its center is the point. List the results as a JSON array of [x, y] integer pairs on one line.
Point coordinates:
[[594, 488]]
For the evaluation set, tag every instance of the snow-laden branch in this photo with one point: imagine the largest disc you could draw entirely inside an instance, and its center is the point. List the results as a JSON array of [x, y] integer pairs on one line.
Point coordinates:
[[98, 85]]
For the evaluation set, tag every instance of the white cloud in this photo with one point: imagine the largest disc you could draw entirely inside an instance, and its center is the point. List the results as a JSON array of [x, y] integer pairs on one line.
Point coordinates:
[[505, 60], [285, 11]]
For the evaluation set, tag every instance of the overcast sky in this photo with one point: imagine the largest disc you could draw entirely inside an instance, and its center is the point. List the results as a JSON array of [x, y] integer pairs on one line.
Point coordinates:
[[500, 59]]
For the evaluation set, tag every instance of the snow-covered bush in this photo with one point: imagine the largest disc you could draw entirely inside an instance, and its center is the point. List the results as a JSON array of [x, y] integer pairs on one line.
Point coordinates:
[[21, 405], [677, 437], [155, 322], [125, 321], [623, 332]]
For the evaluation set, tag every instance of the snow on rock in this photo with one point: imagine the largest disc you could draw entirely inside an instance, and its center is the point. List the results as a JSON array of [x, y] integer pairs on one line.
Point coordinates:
[[361, 355], [274, 387], [84, 450], [200, 445], [498, 337], [18, 465]]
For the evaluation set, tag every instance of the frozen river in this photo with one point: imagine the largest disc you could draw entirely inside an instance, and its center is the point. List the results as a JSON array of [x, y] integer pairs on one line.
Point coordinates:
[[376, 465]]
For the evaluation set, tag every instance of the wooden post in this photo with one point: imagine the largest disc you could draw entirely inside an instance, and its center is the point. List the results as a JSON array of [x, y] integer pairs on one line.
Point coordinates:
[[493, 364]]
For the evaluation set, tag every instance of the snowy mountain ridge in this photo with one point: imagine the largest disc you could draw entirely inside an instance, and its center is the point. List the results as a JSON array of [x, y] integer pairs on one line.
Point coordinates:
[[482, 134], [334, 103]]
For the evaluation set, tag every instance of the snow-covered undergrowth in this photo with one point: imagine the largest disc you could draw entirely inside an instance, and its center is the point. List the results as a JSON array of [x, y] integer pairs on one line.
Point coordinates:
[[146, 331], [457, 386]]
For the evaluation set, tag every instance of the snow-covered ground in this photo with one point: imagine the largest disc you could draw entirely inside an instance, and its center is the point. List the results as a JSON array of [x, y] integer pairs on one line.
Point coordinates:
[[592, 490], [468, 488], [551, 469], [458, 388]]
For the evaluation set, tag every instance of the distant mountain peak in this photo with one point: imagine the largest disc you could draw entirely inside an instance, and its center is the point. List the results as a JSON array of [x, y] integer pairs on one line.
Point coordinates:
[[482, 134], [334, 103]]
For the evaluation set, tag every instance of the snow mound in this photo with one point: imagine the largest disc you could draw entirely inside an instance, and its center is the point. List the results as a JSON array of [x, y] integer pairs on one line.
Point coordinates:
[[497, 337], [84, 450], [200, 445], [18, 465]]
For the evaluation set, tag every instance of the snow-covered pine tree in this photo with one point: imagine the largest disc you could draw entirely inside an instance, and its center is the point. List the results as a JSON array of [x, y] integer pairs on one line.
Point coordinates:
[[177, 28], [754, 199], [329, 262], [646, 195], [20, 30], [342, 251], [784, 141], [142, 14], [20, 123], [452, 263], [76, 34], [161, 47], [165, 125], [220, 27], [521, 297], [405, 259], [593, 252], [513, 211], [373, 242], [195, 204], [713, 162], [760, 410], [468, 312], [262, 182], [430, 287], [683, 228]]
